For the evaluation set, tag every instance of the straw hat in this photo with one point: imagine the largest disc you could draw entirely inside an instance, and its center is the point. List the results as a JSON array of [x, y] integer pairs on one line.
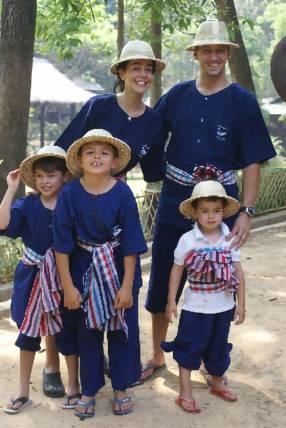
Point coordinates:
[[137, 49], [212, 32], [206, 189], [26, 166], [99, 136]]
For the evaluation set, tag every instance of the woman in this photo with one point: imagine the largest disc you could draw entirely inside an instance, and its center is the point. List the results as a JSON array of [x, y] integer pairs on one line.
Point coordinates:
[[126, 116]]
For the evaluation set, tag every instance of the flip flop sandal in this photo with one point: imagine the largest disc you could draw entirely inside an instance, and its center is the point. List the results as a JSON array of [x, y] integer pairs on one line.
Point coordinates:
[[224, 394], [195, 407], [69, 398], [155, 371], [87, 405], [121, 411], [206, 376], [25, 401], [53, 385]]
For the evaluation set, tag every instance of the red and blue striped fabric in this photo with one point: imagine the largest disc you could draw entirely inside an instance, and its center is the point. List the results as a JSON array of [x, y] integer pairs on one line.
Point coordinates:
[[42, 316], [211, 271], [200, 173], [101, 284]]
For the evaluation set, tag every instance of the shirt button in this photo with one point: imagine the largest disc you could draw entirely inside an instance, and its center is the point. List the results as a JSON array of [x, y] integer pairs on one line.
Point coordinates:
[[198, 140], [202, 119], [206, 98]]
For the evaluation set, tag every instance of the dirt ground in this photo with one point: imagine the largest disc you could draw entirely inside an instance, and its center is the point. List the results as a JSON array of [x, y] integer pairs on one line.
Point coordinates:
[[257, 373]]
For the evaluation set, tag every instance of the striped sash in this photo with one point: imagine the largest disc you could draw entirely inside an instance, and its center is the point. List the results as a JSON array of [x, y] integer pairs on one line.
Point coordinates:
[[101, 284], [42, 316], [207, 172], [211, 271]]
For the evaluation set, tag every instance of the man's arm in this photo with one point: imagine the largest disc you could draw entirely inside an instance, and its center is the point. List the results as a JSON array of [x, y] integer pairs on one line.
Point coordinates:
[[250, 187]]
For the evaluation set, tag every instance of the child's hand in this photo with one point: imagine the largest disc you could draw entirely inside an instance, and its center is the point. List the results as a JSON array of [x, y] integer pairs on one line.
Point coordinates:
[[72, 298], [239, 314], [123, 299], [13, 179], [171, 309]]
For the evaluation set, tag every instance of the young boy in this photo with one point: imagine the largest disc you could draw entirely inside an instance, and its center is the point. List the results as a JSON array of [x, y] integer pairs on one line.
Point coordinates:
[[98, 238], [31, 219], [214, 275]]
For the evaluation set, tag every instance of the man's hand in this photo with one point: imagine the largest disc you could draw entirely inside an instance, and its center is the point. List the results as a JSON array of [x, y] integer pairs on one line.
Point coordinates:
[[240, 231], [123, 299], [72, 298]]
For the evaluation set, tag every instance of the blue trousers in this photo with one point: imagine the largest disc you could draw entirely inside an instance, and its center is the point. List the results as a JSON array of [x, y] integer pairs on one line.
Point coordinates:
[[27, 343], [124, 354], [202, 337]]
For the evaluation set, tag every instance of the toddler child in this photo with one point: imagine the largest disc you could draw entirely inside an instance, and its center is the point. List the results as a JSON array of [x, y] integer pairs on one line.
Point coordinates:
[[214, 277]]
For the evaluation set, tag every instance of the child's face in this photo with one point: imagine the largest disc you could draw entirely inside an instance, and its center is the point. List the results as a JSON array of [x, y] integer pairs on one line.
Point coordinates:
[[97, 159], [209, 215], [49, 183]]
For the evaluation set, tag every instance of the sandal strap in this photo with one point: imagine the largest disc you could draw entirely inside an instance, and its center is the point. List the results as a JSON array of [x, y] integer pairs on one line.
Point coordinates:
[[86, 404], [22, 400]]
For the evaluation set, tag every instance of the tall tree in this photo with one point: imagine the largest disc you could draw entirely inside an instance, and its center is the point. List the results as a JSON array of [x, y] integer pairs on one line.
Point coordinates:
[[18, 19], [120, 26], [239, 63], [156, 43]]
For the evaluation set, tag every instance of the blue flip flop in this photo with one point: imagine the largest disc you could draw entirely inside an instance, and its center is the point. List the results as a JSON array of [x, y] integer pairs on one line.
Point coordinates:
[[87, 406], [121, 411]]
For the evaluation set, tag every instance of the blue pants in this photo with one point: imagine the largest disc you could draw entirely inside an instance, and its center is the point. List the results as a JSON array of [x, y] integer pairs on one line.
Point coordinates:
[[27, 343], [124, 354], [202, 337]]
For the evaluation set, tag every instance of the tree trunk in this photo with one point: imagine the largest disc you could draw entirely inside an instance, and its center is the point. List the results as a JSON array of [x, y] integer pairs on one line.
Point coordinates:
[[238, 63], [156, 43], [120, 26], [18, 19]]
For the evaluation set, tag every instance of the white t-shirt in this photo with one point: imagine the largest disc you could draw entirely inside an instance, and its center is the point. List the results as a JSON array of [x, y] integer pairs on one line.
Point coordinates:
[[206, 303]]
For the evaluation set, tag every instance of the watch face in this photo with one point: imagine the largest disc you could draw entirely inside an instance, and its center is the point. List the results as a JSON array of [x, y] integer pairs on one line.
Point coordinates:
[[248, 210]]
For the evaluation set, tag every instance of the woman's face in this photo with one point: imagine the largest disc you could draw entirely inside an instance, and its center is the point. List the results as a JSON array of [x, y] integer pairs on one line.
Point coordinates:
[[137, 76]]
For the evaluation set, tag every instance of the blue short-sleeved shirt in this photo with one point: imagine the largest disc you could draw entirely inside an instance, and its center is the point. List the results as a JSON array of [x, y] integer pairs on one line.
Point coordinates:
[[32, 222], [140, 133], [225, 129], [97, 219]]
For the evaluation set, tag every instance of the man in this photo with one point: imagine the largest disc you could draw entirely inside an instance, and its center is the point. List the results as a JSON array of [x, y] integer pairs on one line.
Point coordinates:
[[216, 128]]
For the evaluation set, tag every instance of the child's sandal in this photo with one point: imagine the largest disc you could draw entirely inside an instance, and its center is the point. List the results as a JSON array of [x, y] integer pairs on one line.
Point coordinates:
[[86, 405], [24, 402]]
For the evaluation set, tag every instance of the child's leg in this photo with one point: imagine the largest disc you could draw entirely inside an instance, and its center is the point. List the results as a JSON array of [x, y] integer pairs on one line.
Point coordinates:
[[217, 356], [73, 386], [186, 400], [52, 382], [124, 359]]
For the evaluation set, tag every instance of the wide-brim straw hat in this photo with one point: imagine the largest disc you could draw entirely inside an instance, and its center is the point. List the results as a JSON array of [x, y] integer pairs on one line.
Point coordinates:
[[26, 167], [212, 32], [206, 189], [137, 49], [98, 136]]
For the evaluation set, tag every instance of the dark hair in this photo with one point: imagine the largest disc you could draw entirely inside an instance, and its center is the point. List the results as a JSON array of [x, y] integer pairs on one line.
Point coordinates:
[[119, 84], [50, 164], [195, 203], [114, 149]]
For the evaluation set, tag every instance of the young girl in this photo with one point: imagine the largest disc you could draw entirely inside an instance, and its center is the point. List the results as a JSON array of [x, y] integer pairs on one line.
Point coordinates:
[[31, 219], [214, 275], [97, 240]]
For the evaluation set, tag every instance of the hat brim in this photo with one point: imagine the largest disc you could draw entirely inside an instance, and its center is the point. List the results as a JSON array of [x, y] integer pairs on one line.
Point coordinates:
[[26, 166], [124, 153], [189, 211], [160, 65], [212, 42]]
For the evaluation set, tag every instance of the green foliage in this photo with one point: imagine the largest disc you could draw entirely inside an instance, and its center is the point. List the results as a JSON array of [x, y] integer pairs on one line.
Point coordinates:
[[10, 254]]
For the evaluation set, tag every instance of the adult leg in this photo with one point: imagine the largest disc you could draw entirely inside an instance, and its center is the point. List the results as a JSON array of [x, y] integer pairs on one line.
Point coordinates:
[[166, 238]]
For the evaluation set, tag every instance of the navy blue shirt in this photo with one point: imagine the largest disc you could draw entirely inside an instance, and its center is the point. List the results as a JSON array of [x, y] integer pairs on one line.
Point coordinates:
[[32, 222], [225, 129], [97, 219], [103, 111]]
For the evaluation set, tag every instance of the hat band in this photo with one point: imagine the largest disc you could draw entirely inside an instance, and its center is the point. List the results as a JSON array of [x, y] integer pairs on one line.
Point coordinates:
[[200, 173]]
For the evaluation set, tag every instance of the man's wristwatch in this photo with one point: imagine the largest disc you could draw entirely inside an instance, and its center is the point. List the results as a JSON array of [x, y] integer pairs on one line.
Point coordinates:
[[250, 211]]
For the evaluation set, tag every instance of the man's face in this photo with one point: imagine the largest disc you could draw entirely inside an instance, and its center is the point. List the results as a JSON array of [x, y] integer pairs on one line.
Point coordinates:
[[212, 59]]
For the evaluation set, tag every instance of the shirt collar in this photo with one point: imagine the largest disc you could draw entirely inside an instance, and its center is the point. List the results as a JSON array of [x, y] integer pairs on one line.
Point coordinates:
[[200, 235]]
